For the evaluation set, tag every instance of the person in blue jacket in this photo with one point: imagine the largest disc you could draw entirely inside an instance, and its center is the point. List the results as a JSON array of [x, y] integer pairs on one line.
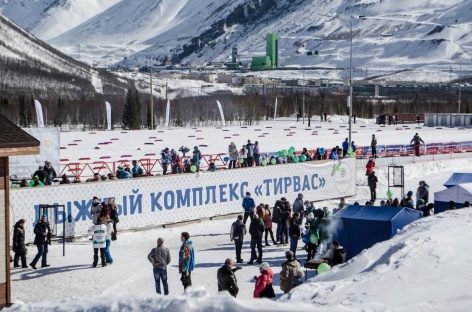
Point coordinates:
[[334, 154], [345, 146], [165, 160], [248, 205], [196, 156], [354, 147], [186, 260]]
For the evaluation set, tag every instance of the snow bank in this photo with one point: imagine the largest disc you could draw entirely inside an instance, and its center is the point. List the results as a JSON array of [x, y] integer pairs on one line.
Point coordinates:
[[195, 299]]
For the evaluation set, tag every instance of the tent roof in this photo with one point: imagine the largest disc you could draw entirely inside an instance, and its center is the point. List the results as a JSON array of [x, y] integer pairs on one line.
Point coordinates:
[[458, 178], [369, 213], [457, 193]]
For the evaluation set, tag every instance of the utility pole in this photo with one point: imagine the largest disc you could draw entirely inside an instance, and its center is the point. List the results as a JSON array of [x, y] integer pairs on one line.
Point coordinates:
[[350, 86], [460, 83], [303, 116], [151, 104]]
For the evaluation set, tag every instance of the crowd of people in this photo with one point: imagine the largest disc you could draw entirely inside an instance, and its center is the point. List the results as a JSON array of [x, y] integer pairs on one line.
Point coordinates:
[[303, 221], [172, 162]]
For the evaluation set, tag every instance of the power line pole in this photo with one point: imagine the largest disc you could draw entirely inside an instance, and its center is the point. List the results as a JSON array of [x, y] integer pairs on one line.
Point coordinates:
[[151, 103], [460, 83]]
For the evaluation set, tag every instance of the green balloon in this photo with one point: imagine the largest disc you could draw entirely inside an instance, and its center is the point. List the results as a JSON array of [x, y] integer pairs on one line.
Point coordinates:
[[281, 154], [314, 239], [285, 152], [241, 160], [389, 193], [303, 158], [349, 150], [31, 183], [292, 148], [193, 168], [264, 162], [352, 154], [273, 161], [290, 153], [337, 168], [323, 267], [296, 159]]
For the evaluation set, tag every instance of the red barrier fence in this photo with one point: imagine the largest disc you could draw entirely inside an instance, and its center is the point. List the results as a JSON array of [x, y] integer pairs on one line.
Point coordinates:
[[153, 166]]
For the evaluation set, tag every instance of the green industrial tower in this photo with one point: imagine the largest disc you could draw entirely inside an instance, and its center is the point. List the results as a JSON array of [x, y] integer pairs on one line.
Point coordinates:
[[272, 49], [271, 59]]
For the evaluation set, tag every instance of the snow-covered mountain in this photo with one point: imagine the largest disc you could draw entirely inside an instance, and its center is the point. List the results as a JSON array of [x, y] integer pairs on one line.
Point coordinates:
[[27, 64], [396, 34]]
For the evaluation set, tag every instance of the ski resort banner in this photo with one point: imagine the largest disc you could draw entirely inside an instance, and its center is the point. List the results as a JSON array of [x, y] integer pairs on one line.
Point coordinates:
[[168, 199]]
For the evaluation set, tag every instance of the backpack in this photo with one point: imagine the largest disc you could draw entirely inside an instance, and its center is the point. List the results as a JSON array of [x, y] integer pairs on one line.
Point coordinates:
[[238, 232]]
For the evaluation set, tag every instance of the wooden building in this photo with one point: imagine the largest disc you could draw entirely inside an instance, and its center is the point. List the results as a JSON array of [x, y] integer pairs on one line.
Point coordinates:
[[13, 142]]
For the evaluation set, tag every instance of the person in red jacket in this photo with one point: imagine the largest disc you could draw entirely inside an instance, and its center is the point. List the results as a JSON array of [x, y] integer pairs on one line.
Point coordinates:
[[264, 287], [370, 166]]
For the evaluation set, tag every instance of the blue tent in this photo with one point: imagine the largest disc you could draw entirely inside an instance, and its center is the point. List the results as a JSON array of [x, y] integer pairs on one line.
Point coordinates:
[[458, 178], [361, 227], [458, 194]]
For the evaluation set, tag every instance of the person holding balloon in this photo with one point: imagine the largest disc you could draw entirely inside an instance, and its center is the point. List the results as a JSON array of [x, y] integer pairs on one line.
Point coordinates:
[[313, 225], [243, 156]]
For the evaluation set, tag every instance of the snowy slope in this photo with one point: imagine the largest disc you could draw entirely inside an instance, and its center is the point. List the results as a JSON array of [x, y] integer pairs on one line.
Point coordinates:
[[424, 268], [425, 32]]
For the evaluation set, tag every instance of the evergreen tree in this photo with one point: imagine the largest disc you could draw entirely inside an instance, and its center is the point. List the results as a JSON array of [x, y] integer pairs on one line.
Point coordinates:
[[132, 110], [138, 120], [24, 111], [60, 110]]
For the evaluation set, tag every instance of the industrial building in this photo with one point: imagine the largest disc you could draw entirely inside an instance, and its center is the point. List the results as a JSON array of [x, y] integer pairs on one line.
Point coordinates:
[[271, 59]]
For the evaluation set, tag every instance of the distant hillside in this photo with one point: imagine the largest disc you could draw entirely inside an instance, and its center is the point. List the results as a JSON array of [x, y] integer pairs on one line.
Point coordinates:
[[29, 64], [396, 34]]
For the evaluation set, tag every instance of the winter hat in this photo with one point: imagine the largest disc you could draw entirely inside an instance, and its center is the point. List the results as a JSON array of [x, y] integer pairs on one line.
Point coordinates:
[[248, 193], [289, 254], [64, 176], [409, 193], [44, 215], [264, 266], [240, 217], [22, 221], [310, 216], [120, 167]]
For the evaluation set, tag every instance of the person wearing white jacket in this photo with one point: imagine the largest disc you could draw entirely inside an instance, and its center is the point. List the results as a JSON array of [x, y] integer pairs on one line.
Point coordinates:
[[99, 233]]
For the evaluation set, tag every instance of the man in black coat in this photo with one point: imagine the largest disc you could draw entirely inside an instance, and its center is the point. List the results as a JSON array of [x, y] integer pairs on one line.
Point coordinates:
[[372, 182], [42, 240], [256, 229], [339, 254], [238, 230], [226, 278], [19, 244], [42, 175]]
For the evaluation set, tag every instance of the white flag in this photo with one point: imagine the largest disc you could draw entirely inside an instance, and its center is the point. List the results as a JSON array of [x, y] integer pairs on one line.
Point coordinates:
[[167, 113], [275, 110], [221, 113], [39, 113], [108, 108]]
